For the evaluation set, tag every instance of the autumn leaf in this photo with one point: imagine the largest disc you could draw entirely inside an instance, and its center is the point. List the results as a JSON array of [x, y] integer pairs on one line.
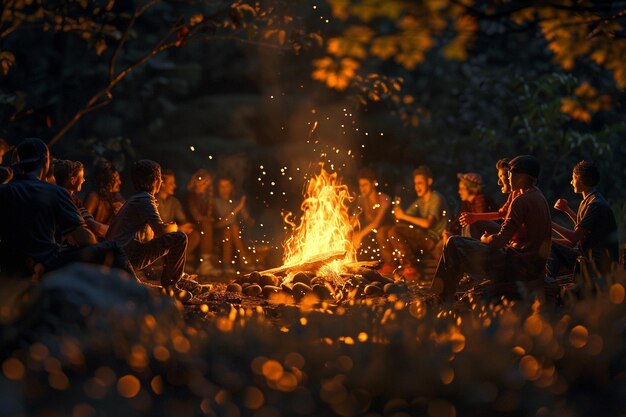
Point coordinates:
[[101, 46], [339, 8], [384, 47], [372, 9], [352, 43], [522, 16], [335, 74], [7, 60], [585, 102], [196, 19], [317, 38], [243, 7]]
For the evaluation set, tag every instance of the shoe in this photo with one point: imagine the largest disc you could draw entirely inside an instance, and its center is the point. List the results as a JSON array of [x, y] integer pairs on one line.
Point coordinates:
[[207, 268], [386, 269], [410, 274], [181, 295], [192, 286]]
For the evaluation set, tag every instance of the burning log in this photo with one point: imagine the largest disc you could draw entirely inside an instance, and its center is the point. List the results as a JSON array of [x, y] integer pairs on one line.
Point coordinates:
[[311, 264]]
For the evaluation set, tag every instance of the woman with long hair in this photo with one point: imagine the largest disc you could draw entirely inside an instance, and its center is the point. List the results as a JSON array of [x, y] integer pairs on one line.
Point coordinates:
[[105, 200]]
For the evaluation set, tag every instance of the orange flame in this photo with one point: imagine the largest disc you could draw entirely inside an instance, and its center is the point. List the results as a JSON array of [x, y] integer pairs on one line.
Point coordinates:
[[325, 224]]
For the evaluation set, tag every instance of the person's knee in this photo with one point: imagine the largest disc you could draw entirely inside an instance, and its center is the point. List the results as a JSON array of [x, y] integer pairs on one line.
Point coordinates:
[[453, 241], [178, 237]]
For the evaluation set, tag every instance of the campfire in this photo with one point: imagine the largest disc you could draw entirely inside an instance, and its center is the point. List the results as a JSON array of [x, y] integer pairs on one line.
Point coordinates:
[[319, 256], [323, 236]]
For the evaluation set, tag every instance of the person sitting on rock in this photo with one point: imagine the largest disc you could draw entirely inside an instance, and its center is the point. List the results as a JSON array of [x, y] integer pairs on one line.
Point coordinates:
[[138, 222], [229, 213], [374, 215], [171, 211], [34, 212], [105, 200], [595, 230], [473, 200], [508, 254], [199, 200], [420, 227], [71, 176]]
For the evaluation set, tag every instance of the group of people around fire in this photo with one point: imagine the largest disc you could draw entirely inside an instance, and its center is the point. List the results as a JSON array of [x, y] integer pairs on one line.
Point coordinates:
[[513, 242], [44, 225]]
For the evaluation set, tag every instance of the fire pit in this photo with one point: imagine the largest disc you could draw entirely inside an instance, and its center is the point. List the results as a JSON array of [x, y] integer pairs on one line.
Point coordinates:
[[319, 261]]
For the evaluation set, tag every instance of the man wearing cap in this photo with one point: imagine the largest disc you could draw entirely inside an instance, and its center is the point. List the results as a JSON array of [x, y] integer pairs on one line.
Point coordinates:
[[595, 230], [508, 254], [33, 212]]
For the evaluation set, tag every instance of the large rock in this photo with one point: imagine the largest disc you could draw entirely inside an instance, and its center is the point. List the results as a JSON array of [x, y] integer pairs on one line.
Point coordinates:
[[86, 297]]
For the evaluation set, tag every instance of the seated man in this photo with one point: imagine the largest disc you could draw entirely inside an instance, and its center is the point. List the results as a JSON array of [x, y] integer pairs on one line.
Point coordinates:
[[34, 212], [139, 219], [71, 176], [423, 224], [508, 254], [595, 229], [374, 215], [483, 222], [171, 211]]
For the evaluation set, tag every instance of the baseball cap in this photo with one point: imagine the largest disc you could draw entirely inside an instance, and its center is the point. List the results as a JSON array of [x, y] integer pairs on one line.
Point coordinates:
[[525, 164], [30, 152]]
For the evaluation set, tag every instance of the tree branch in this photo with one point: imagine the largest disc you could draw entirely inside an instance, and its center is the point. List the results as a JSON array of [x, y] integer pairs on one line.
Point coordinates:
[[93, 103]]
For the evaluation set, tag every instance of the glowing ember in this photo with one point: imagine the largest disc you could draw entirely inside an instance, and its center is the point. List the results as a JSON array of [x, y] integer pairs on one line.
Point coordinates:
[[325, 225]]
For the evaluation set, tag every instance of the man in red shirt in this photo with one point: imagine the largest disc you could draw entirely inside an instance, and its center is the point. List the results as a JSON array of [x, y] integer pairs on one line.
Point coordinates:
[[508, 254]]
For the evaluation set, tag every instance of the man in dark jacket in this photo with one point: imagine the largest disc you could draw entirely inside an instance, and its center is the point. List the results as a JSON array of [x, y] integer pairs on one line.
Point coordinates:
[[33, 212], [517, 252]]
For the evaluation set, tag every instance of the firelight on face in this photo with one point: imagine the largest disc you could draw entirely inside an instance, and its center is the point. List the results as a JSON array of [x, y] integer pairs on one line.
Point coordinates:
[[366, 187], [421, 184]]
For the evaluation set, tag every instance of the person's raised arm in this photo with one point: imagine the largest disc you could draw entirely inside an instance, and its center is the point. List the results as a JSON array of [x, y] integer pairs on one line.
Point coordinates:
[[562, 205]]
